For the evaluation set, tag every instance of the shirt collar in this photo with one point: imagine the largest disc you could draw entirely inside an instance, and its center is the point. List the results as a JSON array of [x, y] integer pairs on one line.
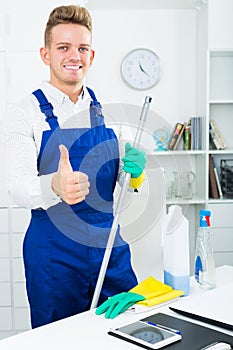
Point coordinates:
[[59, 96]]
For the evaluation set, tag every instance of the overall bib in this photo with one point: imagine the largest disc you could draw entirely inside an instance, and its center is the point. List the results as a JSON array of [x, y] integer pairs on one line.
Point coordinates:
[[64, 245]]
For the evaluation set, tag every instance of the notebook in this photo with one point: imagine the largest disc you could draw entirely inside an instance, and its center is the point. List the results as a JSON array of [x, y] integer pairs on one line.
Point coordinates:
[[214, 306], [194, 336]]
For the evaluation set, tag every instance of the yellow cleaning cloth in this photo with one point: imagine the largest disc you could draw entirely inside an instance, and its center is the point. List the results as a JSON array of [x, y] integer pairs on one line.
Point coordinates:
[[161, 298], [155, 292], [150, 288]]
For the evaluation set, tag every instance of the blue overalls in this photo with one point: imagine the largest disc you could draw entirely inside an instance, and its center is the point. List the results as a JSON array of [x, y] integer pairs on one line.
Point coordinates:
[[64, 245]]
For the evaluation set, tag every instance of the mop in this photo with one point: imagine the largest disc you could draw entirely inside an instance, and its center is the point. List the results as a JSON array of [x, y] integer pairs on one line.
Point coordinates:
[[123, 191]]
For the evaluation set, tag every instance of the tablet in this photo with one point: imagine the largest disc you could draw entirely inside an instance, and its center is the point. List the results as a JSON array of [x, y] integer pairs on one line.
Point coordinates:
[[146, 335]]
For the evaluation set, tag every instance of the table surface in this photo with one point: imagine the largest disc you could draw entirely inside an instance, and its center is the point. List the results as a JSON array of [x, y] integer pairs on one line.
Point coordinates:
[[89, 331]]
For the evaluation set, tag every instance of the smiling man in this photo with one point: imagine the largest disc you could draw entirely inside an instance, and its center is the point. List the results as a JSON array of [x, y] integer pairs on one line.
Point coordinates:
[[67, 175], [69, 55]]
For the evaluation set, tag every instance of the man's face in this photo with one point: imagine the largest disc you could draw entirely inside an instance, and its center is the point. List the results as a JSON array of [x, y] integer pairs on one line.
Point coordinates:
[[69, 55]]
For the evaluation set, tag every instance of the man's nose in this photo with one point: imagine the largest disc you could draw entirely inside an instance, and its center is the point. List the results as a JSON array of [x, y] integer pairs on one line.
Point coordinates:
[[75, 53]]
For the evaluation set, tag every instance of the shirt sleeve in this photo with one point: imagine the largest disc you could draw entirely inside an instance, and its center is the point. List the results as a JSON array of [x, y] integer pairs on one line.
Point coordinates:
[[26, 188]]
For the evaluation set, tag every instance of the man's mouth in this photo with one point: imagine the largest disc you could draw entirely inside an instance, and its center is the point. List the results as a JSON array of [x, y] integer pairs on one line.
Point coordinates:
[[72, 67]]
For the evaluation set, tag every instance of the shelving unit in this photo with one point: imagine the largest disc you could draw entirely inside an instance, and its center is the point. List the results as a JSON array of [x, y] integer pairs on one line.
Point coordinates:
[[220, 102], [180, 161], [216, 102], [219, 106]]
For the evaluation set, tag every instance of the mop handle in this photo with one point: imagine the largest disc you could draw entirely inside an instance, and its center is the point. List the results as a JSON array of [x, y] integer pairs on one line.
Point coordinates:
[[114, 227]]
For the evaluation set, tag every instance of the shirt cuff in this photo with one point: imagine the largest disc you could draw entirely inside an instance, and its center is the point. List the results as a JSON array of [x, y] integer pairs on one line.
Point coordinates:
[[49, 196]]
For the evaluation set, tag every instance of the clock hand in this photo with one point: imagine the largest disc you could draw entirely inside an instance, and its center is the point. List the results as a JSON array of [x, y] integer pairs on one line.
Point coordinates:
[[140, 66]]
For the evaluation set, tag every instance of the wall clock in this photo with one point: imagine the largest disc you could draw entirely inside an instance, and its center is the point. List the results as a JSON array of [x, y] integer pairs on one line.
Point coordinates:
[[141, 69]]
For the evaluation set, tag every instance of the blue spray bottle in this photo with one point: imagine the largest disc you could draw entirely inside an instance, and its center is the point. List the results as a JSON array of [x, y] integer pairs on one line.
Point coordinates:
[[205, 272]]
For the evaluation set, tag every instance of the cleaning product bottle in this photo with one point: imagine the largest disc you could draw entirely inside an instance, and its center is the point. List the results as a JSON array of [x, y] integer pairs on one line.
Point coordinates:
[[205, 273], [176, 250]]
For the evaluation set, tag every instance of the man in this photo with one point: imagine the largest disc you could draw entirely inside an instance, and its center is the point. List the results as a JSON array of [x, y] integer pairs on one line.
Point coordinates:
[[65, 167]]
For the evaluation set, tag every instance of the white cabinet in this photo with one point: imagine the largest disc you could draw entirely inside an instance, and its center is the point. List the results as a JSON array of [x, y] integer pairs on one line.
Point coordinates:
[[215, 98], [219, 107], [222, 232], [4, 197]]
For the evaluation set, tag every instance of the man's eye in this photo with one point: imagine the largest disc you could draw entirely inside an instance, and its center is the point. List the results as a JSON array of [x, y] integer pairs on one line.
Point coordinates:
[[62, 48], [83, 49]]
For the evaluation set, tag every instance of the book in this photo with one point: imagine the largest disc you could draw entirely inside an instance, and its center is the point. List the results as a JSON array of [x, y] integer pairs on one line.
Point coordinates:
[[176, 136], [217, 178], [196, 133], [213, 188], [193, 132], [187, 136], [216, 138]]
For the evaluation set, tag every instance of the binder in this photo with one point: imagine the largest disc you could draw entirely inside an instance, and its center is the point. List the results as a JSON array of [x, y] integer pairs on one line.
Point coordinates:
[[212, 180], [194, 336], [215, 307]]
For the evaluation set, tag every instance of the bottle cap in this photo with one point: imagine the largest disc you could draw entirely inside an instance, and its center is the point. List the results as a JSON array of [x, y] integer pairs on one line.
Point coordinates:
[[205, 212], [205, 218]]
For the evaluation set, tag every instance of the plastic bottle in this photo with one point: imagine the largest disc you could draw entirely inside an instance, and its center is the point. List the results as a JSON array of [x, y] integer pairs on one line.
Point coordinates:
[[205, 271], [176, 250]]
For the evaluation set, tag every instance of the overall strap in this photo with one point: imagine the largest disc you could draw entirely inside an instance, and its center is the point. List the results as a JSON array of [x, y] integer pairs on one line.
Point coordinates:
[[46, 108], [96, 116], [92, 94]]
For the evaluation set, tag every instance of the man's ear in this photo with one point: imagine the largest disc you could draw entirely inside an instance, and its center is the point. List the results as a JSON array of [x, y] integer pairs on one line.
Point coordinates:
[[92, 55], [44, 53]]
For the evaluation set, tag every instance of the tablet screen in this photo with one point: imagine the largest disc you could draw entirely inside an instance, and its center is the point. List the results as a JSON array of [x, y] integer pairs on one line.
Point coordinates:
[[146, 334]]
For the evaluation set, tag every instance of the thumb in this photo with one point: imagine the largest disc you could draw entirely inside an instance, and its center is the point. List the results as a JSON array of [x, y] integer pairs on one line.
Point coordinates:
[[127, 147], [64, 162]]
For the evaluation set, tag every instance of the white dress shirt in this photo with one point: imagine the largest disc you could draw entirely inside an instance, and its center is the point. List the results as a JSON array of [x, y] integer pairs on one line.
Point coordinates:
[[23, 129]]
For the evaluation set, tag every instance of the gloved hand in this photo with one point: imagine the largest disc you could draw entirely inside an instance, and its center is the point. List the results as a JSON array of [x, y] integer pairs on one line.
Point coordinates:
[[118, 304], [134, 161]]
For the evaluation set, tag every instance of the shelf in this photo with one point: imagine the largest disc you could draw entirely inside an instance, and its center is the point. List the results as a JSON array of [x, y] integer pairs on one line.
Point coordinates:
[[185, 201], [221, 52], [223, 102], [177, 153], [220, 201], [224, 151]]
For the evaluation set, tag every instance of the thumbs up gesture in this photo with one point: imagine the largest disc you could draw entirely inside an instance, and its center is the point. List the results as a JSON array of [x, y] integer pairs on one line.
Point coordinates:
[[71, 186]]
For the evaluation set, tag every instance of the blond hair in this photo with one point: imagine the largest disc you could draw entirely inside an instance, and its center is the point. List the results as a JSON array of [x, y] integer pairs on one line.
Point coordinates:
[[67, 14]]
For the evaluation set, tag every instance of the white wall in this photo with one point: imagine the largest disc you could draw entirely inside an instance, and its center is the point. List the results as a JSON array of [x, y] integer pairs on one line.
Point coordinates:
[[220, 24], [171, 34]]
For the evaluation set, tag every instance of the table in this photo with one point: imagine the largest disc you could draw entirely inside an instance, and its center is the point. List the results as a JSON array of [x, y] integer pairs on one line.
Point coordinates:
[[89, 331]]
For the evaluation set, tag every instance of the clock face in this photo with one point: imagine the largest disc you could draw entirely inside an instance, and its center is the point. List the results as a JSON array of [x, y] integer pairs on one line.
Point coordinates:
[[141, 69]]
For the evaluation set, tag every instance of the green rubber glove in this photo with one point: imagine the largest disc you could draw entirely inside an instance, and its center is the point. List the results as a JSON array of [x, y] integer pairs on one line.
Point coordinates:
[[118, 304], [134, 161]]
